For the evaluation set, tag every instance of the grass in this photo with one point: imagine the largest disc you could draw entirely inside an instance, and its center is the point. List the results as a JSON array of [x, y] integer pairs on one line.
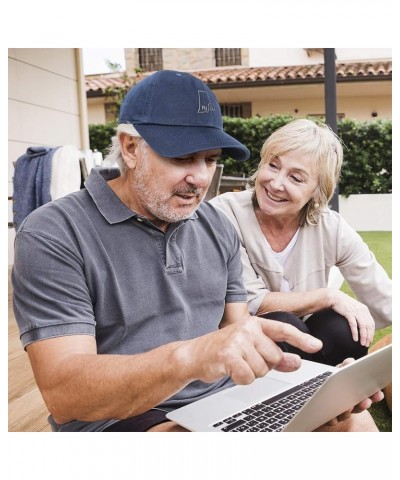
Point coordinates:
[[380, 243]]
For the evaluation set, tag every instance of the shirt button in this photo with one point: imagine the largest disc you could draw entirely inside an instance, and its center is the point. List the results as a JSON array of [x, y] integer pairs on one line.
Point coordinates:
[[140, 220]]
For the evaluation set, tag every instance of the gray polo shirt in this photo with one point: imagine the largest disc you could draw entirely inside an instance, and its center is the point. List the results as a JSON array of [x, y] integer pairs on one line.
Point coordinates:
[[87, 264]]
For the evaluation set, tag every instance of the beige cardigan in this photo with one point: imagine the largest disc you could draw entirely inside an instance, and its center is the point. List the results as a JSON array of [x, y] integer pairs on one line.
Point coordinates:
[[318, 248]]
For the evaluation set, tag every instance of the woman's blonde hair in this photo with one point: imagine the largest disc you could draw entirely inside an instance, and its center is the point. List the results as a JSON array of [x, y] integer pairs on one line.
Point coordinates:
[[319, 142]]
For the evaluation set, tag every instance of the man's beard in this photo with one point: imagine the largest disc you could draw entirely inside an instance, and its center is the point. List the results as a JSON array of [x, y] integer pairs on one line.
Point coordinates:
[[156, 201]]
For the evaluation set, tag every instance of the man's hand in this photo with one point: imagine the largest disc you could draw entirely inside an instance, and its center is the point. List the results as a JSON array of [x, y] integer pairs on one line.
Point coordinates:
[[360, 407], [244, 350]]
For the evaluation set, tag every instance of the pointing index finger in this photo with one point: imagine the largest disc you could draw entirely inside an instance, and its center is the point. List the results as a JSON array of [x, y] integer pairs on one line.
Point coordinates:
[[283, 332]]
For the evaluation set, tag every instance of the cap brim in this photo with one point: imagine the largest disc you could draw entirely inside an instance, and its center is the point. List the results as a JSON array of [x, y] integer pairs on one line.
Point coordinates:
[[175, 141]]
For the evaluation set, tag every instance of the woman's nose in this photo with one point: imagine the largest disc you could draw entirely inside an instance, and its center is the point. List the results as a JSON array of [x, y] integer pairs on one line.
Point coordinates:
[[277, 182]]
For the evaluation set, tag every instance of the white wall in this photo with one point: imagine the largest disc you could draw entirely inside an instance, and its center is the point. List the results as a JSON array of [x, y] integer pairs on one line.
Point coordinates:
[[46, 105], [96, 110], [355, 100], [367, 212]]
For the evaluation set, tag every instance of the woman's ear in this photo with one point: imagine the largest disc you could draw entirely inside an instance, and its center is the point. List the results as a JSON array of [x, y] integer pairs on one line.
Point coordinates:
[[129, 149]]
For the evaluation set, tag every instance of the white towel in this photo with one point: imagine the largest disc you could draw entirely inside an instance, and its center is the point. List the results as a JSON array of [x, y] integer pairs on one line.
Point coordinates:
[[65, 172]]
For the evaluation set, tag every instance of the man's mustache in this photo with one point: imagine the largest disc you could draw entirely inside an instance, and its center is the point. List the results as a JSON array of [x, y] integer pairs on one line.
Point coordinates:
[[189, 191]]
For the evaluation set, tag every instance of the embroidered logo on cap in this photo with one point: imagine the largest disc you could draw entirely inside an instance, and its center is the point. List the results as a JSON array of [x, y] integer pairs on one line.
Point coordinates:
[[205, 104]]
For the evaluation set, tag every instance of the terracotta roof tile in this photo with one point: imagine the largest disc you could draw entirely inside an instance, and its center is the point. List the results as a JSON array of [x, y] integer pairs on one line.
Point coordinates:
[[248, 76]]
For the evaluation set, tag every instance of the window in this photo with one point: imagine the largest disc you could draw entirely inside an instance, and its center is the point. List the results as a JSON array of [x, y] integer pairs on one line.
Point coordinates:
[[321, 116], [150, 59], [227, 56], [242, 110]]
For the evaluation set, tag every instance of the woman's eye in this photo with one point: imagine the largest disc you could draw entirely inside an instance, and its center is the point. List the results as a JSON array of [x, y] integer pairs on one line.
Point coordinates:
[[296, 179], [273, 165]]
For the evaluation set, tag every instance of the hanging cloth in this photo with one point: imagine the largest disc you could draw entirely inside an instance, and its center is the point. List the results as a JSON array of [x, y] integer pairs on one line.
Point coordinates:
[[31, 182]]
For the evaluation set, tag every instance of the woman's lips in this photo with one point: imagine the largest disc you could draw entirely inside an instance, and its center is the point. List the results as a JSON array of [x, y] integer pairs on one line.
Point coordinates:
[[274, 197]]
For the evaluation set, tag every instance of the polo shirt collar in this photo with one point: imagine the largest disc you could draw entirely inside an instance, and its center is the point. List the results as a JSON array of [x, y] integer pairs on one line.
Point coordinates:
[[108, 203]]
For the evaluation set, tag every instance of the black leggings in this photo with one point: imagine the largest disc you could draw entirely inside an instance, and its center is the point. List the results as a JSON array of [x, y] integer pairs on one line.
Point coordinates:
[[331, 328]]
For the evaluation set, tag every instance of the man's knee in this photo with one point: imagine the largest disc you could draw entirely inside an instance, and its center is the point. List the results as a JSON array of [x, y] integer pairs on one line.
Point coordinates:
[[167, 427]]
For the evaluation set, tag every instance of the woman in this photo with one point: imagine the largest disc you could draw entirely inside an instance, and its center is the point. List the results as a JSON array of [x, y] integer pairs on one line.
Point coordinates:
[[291, 239]]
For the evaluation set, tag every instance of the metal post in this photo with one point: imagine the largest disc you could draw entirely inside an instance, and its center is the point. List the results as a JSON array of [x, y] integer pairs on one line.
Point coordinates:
[[330, 105]]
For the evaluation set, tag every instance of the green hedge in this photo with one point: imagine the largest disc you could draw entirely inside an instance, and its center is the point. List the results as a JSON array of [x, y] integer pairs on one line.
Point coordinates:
[[367, 166]]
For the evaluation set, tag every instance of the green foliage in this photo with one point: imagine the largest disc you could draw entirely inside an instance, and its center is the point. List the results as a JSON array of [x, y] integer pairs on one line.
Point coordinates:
[[100, 136], [252, 132], [367, 166], [117, 93], [381, 244]]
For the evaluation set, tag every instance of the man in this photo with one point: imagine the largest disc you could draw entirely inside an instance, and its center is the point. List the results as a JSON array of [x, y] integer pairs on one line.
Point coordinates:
[[128, 294]]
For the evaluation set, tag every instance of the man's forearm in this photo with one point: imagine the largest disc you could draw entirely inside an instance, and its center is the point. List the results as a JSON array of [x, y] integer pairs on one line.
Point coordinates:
[[77, 383], [89, 387]]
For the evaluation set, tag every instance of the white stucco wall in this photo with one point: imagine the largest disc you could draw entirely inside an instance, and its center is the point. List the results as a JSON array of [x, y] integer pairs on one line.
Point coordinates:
[[96, 110], [46, 105], [368, 212], [356, 100]]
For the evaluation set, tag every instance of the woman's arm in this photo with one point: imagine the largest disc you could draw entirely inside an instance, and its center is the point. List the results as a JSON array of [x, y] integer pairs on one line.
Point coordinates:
[[298, 303], [361, 323]]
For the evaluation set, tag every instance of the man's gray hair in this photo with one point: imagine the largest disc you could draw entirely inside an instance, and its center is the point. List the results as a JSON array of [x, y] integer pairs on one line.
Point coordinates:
[[114, 156]]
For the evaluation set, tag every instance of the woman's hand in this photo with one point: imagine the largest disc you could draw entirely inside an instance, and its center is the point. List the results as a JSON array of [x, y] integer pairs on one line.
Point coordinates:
[[360, 407], [356, 313]]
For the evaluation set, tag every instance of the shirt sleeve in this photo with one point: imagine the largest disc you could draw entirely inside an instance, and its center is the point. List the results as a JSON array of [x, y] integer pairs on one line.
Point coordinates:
[[254, 284], [365, 276], [235, 290], [51, 298]]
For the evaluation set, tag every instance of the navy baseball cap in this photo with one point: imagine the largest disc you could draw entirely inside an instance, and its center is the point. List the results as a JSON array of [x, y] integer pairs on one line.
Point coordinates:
[[177, 114]]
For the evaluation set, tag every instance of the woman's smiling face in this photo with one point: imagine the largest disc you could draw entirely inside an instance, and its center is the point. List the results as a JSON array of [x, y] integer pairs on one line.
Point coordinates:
[[285, 184]]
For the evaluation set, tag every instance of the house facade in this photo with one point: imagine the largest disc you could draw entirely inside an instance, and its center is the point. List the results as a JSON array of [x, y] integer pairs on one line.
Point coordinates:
[[46, 106], [262, 81]]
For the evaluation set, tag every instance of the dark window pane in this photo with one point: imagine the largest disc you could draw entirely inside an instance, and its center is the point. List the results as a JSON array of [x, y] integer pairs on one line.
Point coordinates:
[[242, 110], [227, 56], [150, 59]]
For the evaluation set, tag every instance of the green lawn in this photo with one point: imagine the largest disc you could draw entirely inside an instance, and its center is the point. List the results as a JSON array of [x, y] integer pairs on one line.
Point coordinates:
[[381, 244]]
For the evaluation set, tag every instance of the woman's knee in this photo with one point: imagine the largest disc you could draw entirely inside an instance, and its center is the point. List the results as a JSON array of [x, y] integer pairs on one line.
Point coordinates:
[[334, 331], [287, 317]]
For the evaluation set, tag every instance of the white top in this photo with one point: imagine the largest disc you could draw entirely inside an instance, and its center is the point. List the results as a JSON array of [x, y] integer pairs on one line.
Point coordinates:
[[282, 256]]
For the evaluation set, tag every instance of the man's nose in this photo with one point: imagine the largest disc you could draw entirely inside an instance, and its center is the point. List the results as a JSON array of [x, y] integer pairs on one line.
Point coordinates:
[[199, 174]]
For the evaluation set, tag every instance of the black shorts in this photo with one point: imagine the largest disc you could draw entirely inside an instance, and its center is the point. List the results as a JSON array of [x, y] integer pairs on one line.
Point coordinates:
[[139, 423]]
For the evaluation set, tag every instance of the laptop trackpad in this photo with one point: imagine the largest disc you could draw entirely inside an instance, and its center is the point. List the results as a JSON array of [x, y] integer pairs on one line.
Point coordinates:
[[257, 391]]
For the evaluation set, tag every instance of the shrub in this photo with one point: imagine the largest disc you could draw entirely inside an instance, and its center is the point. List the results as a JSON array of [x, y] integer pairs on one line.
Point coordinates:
[[100, 136], [367, 166]]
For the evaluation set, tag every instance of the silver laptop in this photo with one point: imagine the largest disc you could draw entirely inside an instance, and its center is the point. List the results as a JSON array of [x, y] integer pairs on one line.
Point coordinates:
[[299, 401]]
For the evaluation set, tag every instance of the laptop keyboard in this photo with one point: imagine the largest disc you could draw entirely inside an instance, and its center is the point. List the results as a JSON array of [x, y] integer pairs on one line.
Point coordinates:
[[273, 414]]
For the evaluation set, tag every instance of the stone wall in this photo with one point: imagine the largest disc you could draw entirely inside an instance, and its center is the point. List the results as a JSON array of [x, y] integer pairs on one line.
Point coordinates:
[[181, 58]]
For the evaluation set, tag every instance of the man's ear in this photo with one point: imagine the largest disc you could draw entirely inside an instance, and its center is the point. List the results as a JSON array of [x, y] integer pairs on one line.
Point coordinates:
[[129, 149]]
